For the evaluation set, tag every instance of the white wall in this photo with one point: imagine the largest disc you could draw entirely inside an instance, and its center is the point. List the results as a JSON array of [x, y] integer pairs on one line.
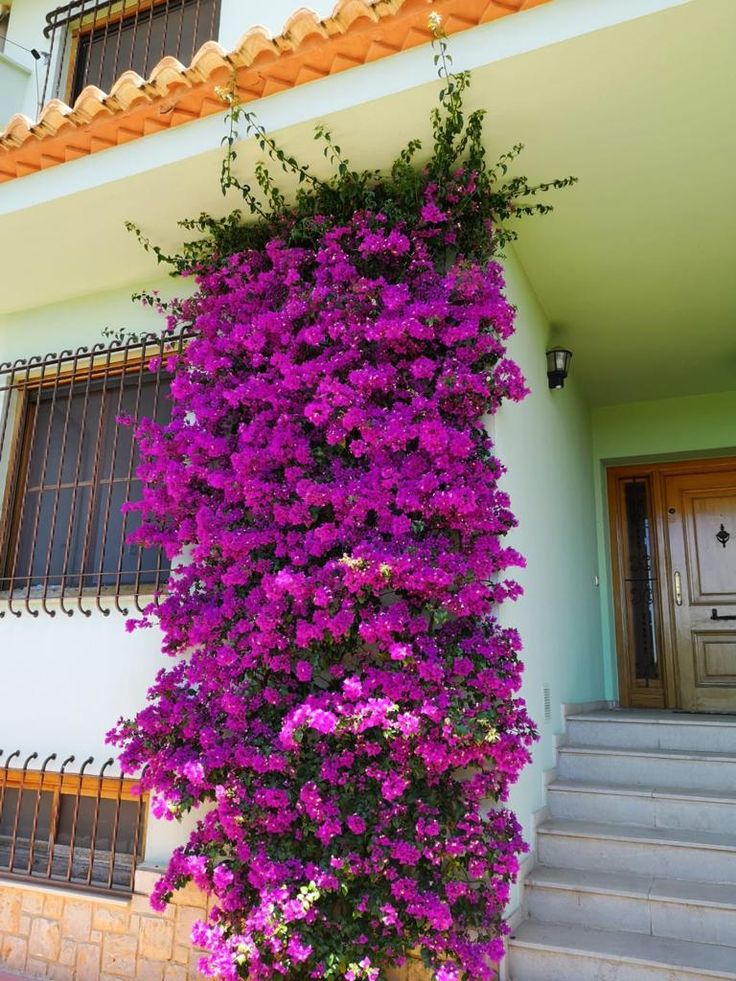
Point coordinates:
[[71, 678], [65, 681], [546, 444], [15, 83]]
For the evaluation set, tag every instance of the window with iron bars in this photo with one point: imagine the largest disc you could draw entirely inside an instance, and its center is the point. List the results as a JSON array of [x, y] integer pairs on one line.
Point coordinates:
[[92, 42], [75, 829], [69, 466]]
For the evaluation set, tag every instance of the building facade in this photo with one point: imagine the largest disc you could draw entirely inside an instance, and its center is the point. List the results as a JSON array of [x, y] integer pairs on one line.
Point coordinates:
[[624, 480]]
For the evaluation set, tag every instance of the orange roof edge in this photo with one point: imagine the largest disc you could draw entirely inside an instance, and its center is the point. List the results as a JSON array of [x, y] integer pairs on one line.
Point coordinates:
[[357, 32]]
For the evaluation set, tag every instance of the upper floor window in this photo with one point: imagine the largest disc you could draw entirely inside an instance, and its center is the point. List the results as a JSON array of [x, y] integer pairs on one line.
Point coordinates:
[[93, 42], [4, 18], [69, 467]]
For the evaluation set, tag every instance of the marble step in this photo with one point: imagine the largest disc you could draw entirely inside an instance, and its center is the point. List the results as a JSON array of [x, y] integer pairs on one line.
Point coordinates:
[[696, 770], [703, 912], [643, 729], [665, 852], [555, 952], [657, 807]]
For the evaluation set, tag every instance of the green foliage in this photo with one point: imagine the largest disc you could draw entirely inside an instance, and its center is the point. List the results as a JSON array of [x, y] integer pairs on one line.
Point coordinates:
[[485, 212]]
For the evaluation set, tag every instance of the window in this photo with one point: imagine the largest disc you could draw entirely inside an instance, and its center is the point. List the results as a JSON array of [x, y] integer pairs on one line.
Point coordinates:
[[94, 42], [69, 468], [4, 18], [70, 828]]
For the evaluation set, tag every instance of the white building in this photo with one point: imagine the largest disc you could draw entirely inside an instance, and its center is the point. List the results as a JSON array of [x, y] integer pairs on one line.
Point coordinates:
[[110, 114]]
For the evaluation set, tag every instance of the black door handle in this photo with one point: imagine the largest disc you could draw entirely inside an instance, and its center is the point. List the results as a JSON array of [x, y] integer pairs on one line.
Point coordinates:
[[714, 616]]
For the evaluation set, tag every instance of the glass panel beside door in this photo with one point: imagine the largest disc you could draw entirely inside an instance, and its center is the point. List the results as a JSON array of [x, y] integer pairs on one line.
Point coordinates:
[[637, 584]]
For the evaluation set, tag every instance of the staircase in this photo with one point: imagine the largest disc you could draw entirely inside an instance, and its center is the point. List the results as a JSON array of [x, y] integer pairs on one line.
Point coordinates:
[[636, 878]]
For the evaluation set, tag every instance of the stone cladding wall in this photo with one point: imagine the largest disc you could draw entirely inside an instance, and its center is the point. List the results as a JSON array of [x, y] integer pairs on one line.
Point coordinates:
[[68, 936]]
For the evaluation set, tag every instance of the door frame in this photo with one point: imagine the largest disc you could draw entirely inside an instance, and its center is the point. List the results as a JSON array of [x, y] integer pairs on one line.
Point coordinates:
[[665, 693]]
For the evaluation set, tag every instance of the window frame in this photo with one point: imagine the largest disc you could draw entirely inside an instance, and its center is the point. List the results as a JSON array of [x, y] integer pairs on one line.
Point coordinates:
[[81, 26], [106, 363], [77, 786]]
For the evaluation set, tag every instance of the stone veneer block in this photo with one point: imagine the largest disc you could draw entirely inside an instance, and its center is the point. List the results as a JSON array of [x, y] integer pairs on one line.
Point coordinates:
[[175, 972], [119, 955], [32, 902], [190, 895], [68, 952], [13, 952], [59, 972], [111, 919], [35, 968], [156, 939], [11, 904], [45, 939], [88, 962], [76, 921], [151, 969], [53, 905], [186, 917]]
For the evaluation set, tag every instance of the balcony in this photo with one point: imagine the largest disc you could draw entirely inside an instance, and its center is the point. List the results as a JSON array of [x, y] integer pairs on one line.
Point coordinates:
[[92, 42]]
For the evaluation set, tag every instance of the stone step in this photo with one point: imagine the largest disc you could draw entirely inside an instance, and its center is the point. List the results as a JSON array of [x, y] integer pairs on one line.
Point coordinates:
[[666, 852], [553, 952], [696, 911], [658, 807], [642, 729], [648, 767]]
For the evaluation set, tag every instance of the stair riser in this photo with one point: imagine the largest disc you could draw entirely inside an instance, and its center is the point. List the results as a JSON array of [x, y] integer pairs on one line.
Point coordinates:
[[602, 911], [648, 771], [528, 964], [651, 812], [644, 858], [652, 735]]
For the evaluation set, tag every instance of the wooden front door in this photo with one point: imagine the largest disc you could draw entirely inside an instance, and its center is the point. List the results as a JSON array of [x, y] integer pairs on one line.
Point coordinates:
[[701, 522], [673, 533]]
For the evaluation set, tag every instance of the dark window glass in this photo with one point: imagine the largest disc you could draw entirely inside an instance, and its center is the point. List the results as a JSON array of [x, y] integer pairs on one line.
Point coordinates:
[[76, 472], [641, 580], [55, 835]]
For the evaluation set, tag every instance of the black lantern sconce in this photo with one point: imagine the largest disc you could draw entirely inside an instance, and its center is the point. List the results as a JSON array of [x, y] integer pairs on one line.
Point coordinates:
[[558, 366]]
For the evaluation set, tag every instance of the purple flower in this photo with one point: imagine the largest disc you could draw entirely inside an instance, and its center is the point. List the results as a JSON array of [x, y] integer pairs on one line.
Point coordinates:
[[341, 695]]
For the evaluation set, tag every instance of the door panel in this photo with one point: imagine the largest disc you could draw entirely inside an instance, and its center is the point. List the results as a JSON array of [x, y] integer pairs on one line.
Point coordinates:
[[701, 518], [715, 659]]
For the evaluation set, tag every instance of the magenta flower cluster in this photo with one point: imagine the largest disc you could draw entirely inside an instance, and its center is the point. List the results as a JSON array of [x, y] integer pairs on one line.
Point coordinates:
[[342, 701]]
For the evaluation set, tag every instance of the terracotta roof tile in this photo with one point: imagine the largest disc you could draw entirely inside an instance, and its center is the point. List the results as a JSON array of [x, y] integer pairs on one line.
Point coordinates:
[[357, 32]]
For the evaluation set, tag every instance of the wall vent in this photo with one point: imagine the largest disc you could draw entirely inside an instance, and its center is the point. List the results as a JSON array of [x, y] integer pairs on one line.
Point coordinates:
[[547, 702]]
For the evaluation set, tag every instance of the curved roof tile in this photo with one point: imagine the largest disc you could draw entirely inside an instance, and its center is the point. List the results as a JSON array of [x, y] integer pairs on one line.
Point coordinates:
[[357, 32]]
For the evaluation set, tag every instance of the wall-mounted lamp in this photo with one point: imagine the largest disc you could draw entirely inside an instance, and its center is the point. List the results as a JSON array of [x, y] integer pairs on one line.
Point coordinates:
[[558, 366]]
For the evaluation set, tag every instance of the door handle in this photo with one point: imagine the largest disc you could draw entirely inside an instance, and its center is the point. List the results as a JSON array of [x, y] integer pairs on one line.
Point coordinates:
[[714, 616], [678, 589]]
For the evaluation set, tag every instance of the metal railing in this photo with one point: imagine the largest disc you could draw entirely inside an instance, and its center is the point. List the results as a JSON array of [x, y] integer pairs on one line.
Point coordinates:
[[92, 42], [72, 828], [67, 467]]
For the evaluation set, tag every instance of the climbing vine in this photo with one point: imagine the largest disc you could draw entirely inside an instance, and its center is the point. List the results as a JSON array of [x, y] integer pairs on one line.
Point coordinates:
[[342, 704]]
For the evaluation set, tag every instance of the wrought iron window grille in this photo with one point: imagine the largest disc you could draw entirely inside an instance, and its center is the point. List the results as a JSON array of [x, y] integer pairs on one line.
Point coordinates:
[[68, 467], [70, 828], [92, 42]]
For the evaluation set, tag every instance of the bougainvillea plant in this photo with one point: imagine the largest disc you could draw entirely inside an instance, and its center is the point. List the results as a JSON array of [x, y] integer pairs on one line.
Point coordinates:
[[342, 705]]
